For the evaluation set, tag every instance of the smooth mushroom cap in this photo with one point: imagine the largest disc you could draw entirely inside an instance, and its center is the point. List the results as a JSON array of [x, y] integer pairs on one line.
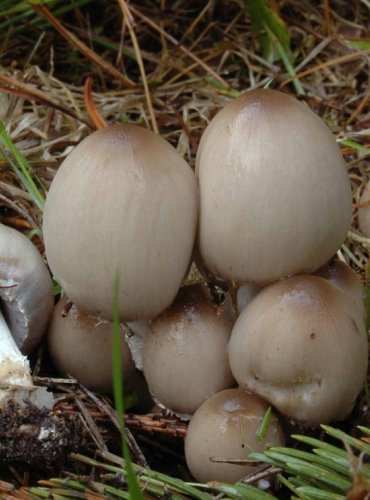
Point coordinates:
[[185, 353], [226, 427], [26, 289], [301, 344], [364, 212], [123, 204], [80, 346], [275, 197], [347, 280]]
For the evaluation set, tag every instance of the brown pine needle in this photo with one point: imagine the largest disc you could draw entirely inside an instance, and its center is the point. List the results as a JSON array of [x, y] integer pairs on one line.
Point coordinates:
[[129, 22], [360, 107], [80, 46], [332, 62], [328, 19], [32, 93], [91, 109]]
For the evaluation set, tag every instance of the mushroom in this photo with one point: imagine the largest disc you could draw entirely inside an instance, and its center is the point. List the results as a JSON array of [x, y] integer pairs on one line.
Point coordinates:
[[301, 344], [185, 352], [275, 197], [29, 430], [364, 211], [26, 289], [346, 279], [26, 303], [123, 204], [225, 427], [80, 346]]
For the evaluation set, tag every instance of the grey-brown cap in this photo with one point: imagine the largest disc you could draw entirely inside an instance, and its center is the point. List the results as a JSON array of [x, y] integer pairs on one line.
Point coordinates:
[[80, 346], [226, 427], [364, 211], [185, 352], [123, 204], [275, 196], [26, 291], [301, 344]]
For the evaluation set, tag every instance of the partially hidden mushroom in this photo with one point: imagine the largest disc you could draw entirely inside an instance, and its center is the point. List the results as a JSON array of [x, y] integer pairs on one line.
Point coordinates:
[[364, 211], [341, 275], [301, 344], [29, 430], [123, 205], [185, 356], [80, 346], [223, 431], [275, 196]]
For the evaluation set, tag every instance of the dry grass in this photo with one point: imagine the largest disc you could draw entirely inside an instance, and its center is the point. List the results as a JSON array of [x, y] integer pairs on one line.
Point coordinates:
[[178, 63]]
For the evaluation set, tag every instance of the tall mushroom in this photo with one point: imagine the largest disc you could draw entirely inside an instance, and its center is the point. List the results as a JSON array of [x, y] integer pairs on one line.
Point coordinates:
[[123, 203], [275, 197]]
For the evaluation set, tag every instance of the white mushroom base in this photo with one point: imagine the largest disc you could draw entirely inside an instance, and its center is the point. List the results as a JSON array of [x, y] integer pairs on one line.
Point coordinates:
[[15, 375]]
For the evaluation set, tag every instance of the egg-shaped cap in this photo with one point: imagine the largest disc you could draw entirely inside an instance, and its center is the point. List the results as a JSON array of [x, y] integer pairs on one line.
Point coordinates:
[[123, 204], [301, 344], [275, 196], [185, 357], [226, 427]]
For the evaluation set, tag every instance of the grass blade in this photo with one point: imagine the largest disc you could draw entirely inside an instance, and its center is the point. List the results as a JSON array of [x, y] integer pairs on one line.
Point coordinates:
[[133, 484], [263, 428], [20, 166], [262, 16], [286, 61], [316, 493], [239, 490], [355, 145], [351, 441]]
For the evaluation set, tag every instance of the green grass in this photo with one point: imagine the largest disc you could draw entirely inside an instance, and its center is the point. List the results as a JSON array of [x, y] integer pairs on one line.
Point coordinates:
[[118, 393], [324, 472], [21, 167]]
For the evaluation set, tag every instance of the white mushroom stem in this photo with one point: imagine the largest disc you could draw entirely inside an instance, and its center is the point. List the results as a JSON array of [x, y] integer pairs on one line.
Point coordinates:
[[15, 375], [14, 367]]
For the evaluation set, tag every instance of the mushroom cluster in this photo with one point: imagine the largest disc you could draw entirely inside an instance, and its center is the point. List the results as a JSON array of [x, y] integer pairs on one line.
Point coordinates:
[[274, 206]]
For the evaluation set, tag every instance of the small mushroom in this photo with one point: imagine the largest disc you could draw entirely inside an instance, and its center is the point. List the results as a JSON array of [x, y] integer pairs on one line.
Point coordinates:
[[185, 352], [225, 428], [346, 279], [80, 346], [123, 204], [26, 303], [275, 196], [301, 344], [364, 211]]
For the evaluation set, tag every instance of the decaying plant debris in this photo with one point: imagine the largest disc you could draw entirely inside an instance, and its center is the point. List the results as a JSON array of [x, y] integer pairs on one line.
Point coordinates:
[[174, 66]]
